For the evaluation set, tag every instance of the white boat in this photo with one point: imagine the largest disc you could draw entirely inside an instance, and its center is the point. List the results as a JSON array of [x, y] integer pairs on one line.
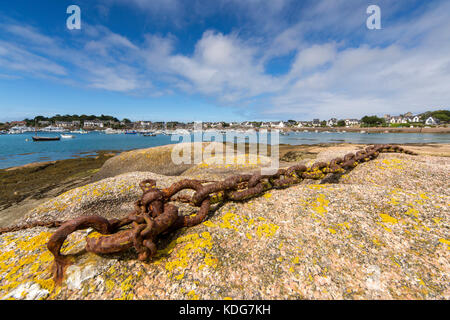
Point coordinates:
[[67, 136], [81, 131], [110, 131]]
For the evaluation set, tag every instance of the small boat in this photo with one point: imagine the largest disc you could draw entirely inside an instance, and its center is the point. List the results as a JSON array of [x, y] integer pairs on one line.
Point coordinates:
[[149, 135], [130, 132], [37, 138], [81, 131], [67, 136]]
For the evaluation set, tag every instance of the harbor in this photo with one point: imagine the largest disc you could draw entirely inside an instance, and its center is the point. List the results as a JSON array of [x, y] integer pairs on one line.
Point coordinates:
[[20, 149]]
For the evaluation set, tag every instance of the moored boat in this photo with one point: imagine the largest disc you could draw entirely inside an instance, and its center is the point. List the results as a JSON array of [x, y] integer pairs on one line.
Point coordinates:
[[67, 136], [37, 138]]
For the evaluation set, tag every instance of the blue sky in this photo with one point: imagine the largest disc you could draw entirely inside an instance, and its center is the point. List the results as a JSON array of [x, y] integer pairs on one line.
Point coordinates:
[[229, 60]]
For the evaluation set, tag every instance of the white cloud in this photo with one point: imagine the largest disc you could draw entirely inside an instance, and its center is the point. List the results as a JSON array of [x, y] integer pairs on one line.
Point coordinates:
[[13, 57], [339, 68]]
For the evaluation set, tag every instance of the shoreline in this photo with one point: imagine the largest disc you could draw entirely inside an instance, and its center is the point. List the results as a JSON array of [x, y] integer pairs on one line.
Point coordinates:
[[24, 187], [93, 154], [440, 130]]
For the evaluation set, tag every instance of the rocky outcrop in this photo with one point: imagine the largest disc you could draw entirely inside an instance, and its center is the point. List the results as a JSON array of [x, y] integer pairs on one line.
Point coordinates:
[[157, 160], [379, 234]]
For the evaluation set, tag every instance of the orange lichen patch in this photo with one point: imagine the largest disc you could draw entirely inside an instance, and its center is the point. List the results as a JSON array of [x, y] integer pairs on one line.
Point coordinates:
[[390, 164], [231, 221], [388, 219], [413, 212], [193, 246], [236, 222], [26, 260], [209, 224], [445, 241], [127, 288], [320, 205], [423, 196], [318, 186], [192, 295], [377, 242], [267, 195], [267, 230]]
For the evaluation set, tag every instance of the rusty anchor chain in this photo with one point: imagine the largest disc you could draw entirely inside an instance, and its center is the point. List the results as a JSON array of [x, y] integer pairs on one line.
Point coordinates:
[[154, 214]]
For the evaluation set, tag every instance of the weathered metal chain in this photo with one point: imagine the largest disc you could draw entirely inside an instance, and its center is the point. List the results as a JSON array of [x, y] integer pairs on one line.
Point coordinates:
[[154, 215]]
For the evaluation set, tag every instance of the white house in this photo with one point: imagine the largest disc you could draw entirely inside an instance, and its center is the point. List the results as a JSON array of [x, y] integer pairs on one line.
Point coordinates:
[[145, 124], [397, 120], [351, 122], [416, 119], [93, 123], [332, 122], [63, 124], [19, 129], [278, 125], [431, 121]]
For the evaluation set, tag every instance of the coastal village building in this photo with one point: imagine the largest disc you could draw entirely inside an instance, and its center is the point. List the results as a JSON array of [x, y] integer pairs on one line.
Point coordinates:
[[316, 122], [52, 129], [144, 124], [63, 124], [416, 119], [332, 122], [351, 122], [398, 119], [93, 124], [18, 123], [278, 125], [431, 121], [44, 123], [407, 118], [19, 129]]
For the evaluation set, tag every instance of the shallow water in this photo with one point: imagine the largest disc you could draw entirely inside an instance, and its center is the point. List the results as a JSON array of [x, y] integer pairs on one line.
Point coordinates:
[[15, 150]]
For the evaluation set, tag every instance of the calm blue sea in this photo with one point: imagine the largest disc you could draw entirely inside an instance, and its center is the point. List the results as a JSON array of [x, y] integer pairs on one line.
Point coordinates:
[[15, 150]]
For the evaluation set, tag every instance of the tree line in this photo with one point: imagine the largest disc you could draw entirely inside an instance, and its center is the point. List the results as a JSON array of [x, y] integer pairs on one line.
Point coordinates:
[[69, 118]]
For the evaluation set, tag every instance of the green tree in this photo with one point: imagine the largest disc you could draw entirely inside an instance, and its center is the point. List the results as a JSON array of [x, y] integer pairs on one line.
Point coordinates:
[[341, 123], [441, 115], [372, 121]]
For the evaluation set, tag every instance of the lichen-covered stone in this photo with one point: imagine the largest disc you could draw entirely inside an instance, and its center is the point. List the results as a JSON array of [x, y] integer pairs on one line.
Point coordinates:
[[157, 160], [382, 233]]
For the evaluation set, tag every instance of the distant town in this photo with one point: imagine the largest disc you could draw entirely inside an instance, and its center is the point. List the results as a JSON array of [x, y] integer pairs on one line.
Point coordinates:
[[110, 124]]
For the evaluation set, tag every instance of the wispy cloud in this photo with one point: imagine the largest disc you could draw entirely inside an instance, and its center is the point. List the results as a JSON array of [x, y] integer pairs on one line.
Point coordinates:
[[339, 68]]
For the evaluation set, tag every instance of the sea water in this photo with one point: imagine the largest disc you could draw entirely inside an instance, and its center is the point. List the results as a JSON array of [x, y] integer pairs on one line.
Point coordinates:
[[20, 149]]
